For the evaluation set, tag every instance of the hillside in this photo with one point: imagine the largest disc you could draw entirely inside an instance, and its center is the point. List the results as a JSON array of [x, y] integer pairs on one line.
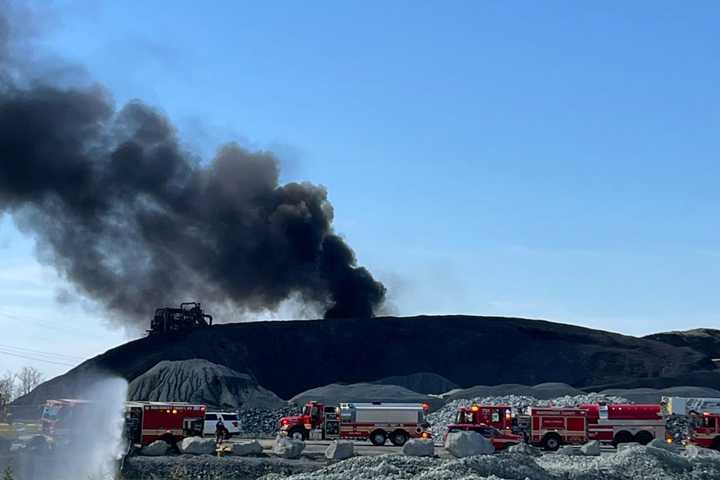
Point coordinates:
[[291, 357], [704, 340]]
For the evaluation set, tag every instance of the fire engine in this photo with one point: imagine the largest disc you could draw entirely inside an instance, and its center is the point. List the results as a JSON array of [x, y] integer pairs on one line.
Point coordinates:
[[494, 422], [375, 421], [146, 422], [62, 417], [624, 423], [689, 405], [705, 430], [551, 427]]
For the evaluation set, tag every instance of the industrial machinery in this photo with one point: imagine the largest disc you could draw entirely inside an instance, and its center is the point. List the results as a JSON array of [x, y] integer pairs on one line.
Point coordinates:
[[188, 317]]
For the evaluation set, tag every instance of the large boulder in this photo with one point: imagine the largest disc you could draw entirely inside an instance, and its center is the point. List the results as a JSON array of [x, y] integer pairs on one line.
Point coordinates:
[[693, 451], [246, 448], [569, 451], [417, 447], [157, 448], [467, 444], [525, 449], [288, 448], [591, 449], [197, 446], [339, 450]]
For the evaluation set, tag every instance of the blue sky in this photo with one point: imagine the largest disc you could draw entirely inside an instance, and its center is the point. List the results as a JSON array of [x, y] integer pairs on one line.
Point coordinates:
[[553, 160]]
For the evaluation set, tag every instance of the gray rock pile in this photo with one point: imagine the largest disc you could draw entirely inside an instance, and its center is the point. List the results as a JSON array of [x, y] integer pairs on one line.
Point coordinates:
[[446, 415], [263, 422], [200, 381], [636, 463]]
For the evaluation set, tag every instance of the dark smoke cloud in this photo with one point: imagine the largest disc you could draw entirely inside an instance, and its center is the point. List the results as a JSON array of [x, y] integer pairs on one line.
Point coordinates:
[[136, 222]]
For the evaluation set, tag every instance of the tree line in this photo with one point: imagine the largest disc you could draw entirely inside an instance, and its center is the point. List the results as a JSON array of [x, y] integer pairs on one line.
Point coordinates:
[[16, 384]]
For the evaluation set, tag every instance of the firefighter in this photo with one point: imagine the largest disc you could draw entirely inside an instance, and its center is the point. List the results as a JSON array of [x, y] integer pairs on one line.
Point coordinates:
[[221, 431]]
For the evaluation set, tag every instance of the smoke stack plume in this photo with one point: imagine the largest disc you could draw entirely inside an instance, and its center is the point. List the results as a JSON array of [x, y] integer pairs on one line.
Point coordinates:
[[135, 222]]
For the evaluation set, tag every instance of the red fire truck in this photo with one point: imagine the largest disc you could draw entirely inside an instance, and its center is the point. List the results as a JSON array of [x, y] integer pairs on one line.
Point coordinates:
[[62, 417], [146, 422], [624, 423], [551, 427], [375, 421], [705, 430], [494, 422]]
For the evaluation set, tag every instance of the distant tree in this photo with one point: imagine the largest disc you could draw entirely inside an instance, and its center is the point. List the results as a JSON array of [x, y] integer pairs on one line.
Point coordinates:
[[7, 474], [28, 378], [7, 392]]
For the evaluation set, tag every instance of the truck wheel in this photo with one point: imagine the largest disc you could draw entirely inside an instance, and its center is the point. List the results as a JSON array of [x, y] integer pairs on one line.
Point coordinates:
[[378, 438], [644, 437], [716, 444], [551, 442], [399, 437], [622, 437], [298, 434]]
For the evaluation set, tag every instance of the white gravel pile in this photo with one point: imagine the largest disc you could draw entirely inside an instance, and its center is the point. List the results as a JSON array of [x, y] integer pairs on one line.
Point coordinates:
[[446, 415], [638, 463]]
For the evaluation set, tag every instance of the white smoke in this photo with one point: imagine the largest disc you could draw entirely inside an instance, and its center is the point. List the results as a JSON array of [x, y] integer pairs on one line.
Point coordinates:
[[94, 447]]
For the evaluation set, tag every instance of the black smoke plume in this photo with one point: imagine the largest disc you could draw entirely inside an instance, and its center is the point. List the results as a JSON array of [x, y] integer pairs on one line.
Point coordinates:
[[135, 222]]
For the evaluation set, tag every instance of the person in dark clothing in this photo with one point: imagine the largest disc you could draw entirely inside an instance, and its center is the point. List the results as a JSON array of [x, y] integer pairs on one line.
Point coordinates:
[[221, 432]]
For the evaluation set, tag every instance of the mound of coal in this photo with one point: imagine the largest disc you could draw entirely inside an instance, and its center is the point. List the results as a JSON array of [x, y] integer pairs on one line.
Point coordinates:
[[291, 357], [365, 392], [541, 391], [698, 379], [704, 340], [204, 382], [421, 382]]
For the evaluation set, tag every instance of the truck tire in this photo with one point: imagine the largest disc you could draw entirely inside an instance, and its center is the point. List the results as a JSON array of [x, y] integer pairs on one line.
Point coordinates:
[[399, 437], [622, 437], [551, 442], [716, 444], [378, 438], [298, 433], [644, 437]]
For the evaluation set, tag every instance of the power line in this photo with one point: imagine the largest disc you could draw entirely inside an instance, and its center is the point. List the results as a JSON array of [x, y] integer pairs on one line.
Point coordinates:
[[29, 351], [28, 357]]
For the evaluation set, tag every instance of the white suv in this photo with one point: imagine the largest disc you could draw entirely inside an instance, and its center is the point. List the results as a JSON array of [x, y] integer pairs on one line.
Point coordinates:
[[229, 419]]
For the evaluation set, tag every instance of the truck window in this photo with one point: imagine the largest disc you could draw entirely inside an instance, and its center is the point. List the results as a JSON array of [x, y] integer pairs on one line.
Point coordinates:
[[495, 416], [709, 422], [210, 416], [229, 417]]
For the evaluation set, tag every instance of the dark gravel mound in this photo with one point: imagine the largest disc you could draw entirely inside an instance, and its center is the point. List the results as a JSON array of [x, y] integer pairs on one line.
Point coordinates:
[[291, 357], [704, 340], [542, 391], [200, 381], [365, 392], [422, 382], [653, 395], [698, 379]]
